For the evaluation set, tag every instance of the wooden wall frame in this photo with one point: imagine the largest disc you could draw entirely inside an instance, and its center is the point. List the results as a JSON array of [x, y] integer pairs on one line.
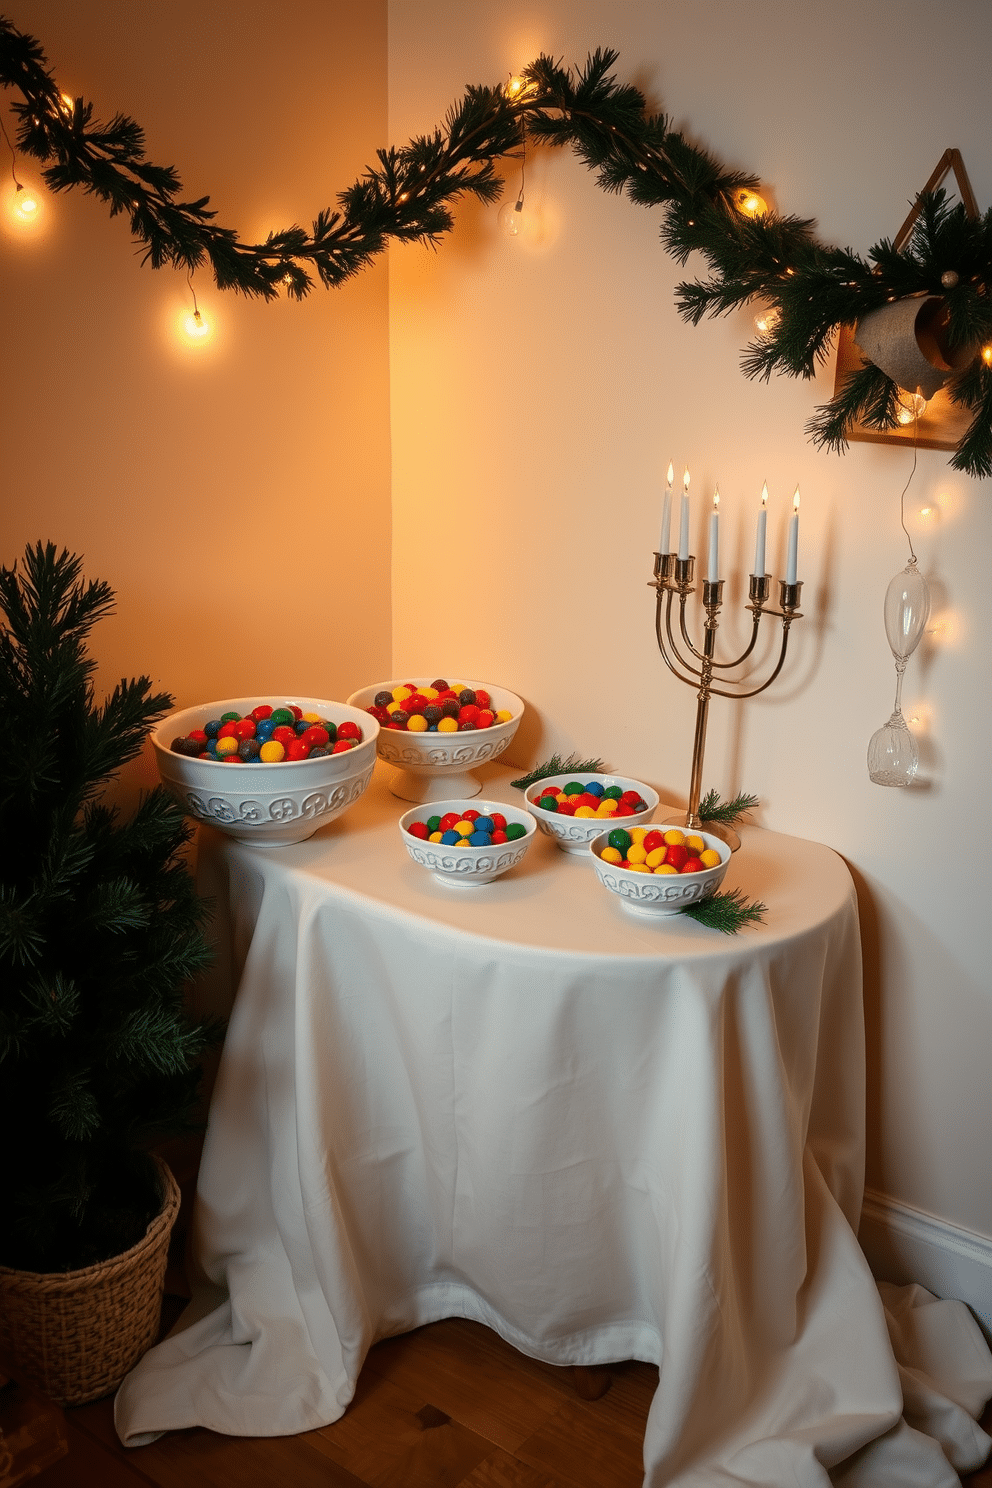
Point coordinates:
[[944, 423]]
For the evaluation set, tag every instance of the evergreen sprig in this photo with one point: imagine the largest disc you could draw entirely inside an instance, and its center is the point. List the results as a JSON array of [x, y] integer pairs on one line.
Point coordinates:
[[711, 808], [408, 196], [728, 910], [556, 766]]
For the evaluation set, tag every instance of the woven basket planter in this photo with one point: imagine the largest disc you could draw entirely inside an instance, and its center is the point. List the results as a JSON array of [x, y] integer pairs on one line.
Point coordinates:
[[75, 1334]]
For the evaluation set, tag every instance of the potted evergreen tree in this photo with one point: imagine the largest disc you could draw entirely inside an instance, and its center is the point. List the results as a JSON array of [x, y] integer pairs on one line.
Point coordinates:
[[100, 931]]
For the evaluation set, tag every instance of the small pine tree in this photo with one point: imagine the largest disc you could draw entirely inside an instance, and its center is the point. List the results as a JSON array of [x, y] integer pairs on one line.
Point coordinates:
[[100, 930]]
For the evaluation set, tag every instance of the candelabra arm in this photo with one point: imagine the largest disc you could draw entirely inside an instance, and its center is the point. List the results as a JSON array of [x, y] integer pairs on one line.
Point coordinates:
[[670, 653], [743, 696]]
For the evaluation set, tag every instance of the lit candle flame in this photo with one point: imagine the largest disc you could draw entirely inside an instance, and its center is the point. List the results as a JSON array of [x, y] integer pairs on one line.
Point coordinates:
[[671, 473], [764, 494], [685, 481], [716, 499], [795, 500]]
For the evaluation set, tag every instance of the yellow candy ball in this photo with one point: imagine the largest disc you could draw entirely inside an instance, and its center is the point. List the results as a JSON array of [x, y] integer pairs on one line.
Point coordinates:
[[417, 724], [709, 858], [656, 857], [504, 715], [271, 752], [607, 806], [400, 693], [638, 867], [312, 717], [230, 746], [665, 868], [464, 828], [636, 834], [695, 845], [610, 855], [435, 837], [429, 692], [635, 852], [674, 837], [448, 726], [584, 811]]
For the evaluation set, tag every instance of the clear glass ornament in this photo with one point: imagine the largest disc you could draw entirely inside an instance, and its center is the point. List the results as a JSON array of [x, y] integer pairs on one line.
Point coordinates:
[[893, 758], [510, 217]]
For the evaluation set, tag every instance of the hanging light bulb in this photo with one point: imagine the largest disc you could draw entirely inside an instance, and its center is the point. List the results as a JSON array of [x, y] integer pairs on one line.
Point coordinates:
[[912, 406], [515, 87], [510, 216], [196, 327], [766, 320], [25, 204], [893, 757]]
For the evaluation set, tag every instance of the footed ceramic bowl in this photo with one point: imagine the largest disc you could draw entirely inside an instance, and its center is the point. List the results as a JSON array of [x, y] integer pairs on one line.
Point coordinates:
[[268, 805], [432, 767], [655, 894], [574, 833], [461, 866]]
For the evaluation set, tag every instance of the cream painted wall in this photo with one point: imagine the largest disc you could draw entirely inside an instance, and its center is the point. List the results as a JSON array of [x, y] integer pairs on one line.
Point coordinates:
[[235, 495], [539, 389]]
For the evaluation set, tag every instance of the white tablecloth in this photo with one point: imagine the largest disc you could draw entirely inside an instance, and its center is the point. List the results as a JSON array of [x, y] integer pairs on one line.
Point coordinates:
[[603, 1137]]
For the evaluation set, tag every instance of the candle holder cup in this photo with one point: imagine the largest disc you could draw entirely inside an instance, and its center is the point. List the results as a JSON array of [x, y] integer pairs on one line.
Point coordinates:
[[673, 580]]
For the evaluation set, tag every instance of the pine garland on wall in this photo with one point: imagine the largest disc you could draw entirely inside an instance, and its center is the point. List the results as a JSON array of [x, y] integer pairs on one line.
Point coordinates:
[[752, 253]]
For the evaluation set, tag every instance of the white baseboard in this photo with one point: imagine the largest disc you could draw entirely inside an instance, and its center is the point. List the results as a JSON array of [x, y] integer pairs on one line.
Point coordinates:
[[905, 1244]]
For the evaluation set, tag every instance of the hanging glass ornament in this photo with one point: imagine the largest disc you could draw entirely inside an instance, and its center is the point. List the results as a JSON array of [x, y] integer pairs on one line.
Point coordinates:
[[893, 757]]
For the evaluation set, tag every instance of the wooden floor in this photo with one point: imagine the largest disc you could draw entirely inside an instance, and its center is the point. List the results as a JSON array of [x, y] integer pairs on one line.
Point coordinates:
[[448, 1406]]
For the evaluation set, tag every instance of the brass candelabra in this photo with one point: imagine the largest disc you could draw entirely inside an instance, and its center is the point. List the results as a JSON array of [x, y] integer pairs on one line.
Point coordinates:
[[673, 579]]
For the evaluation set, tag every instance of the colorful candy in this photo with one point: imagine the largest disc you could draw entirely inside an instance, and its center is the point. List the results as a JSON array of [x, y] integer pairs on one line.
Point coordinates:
[[268, 735], [469, 829], [591, 799], [643, 850], [442, 708]]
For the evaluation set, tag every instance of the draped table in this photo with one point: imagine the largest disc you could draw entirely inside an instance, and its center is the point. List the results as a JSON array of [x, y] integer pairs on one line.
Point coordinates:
[[604, 1137]]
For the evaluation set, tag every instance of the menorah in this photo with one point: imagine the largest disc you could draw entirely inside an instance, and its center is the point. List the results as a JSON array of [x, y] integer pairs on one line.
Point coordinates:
[[673, 577]]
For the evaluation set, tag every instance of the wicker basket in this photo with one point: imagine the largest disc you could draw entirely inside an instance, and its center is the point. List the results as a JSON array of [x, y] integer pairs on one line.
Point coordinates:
[[75, 1334]]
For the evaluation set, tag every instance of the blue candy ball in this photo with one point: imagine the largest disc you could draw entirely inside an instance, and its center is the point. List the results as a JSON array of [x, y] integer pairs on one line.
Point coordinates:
[[485, 824], [480, 839], [450, 839], [594, 788]]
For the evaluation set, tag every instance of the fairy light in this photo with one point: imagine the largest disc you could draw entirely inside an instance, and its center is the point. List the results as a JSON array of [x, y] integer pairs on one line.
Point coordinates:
[[24, 203], [751, 204], [912, 407], [515, 87], [196, 327], [766, 320], [987, 355]]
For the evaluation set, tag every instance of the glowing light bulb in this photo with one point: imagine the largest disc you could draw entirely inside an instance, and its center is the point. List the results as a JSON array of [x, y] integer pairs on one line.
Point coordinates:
[[68, 103], [196, 327], [515, 87], [766, 320], [25, 204], [510, 217], [912, 406], [987, 355], [751, 204]]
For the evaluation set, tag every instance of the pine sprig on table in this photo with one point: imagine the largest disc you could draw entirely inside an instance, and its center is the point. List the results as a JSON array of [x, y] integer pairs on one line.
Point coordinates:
[[556, 766], [711, 808], [727, 910]]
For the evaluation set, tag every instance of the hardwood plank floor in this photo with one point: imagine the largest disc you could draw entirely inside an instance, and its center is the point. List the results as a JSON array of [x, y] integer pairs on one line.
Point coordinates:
[[448, 1406]]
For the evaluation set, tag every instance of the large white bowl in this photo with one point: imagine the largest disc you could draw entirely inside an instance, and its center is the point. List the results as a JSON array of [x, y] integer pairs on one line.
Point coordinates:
[[268, 805], [432, 766], [654, 894], [574, 833], [466, 867]]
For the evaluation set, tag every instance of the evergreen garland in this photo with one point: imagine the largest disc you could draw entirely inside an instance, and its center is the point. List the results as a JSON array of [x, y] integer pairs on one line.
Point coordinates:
[[100, 929], [408, 196]]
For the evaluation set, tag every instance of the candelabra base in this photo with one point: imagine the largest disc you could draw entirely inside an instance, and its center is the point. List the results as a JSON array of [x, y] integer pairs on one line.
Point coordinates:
[[718, 829]]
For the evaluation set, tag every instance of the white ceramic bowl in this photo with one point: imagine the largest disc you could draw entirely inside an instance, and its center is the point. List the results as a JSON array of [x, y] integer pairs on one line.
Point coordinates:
[[268, 805], [574, 833], [653, 894], [431, 766], [466, 867]]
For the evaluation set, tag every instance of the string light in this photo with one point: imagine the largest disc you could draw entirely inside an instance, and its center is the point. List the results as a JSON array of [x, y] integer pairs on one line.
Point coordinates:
[[751, 204], [912, 407], [196, 327], [766, 320], [510, 215], [987, 355], [24, 205], [515, 87]]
